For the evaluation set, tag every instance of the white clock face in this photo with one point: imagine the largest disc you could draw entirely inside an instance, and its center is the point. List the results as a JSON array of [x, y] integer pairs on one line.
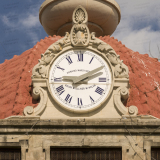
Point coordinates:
[[80, 80]]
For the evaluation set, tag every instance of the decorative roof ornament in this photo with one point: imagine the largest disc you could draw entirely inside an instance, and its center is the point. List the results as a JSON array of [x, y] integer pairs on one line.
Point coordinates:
[[109, 12], [80, 32]]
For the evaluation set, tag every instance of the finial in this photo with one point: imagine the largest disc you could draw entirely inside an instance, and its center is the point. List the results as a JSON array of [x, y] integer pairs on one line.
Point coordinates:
[[80, 34], [80, 15]]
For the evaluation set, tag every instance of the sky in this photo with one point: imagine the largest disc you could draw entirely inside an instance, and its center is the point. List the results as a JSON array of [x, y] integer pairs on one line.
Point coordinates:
[[20, 29]]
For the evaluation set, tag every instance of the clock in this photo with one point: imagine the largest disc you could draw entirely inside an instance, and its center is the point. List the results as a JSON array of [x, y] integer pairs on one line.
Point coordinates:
[[80, 80]]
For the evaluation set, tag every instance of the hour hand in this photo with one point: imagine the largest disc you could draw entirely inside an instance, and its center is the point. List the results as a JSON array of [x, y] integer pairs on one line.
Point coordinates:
[[73, 78], [70, 78]]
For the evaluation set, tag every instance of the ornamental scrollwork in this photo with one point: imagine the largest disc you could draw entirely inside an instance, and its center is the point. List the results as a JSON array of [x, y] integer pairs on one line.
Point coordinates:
[[40, 70], [38, 92], [121, 70], [120, 94]]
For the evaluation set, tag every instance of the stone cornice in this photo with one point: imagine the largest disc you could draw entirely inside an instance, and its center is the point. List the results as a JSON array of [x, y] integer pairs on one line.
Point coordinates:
[[80, 126]]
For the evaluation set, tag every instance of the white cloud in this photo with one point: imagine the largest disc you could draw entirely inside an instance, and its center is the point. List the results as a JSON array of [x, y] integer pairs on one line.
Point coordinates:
[[25, 22], [30, 21], [140, 25]]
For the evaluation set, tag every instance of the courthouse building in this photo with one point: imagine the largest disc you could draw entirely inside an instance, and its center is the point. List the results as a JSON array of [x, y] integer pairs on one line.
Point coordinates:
[[80, 94]]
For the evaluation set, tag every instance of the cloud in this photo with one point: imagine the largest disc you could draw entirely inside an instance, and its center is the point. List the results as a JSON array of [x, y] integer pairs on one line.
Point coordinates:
[[139, 28], [25, 22], [30, 21]]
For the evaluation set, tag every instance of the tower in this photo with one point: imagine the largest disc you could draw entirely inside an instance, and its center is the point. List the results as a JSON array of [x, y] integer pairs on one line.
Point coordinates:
[[80, 100]]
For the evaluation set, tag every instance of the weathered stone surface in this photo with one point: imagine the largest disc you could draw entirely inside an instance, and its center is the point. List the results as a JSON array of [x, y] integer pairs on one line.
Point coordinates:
[[36, 139]]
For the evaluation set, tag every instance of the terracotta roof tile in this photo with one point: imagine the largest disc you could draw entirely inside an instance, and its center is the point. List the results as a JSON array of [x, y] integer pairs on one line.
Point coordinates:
[[15, 78]]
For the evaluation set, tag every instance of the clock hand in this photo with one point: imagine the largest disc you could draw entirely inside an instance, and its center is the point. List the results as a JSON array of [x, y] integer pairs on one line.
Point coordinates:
[[71, 78], [85, 81], [83, 76], [95, 75], [76, 79]]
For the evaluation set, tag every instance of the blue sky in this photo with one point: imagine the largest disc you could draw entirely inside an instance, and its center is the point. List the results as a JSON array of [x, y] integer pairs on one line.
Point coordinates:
[[20, 28]]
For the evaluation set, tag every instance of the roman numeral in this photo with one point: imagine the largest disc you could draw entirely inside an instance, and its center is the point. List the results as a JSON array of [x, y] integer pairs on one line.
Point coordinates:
[[68, 98], [99, 90], [80, 57], [80, 102], [60, 89], [91, 60], [57, 79], [69, 59], [92, 100], [102, 79], [60, 68]]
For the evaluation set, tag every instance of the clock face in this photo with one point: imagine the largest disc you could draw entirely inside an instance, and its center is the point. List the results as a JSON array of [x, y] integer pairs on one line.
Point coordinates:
[[80, 80]]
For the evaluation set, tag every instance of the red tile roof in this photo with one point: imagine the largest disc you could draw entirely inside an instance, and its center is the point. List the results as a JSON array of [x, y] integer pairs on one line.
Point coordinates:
[[16, 88]]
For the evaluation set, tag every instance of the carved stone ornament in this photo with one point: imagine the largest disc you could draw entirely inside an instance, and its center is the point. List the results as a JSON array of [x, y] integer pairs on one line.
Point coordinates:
[[38, 92], [80, 37], [122, 94], [40, 70]]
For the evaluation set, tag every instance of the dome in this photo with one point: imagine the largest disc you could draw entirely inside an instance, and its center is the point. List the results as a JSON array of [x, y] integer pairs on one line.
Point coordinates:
[[56, 16], [16, 83]]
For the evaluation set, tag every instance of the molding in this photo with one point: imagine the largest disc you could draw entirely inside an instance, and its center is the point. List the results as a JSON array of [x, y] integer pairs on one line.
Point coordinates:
[[123, 93], [38, 92], [76, 126]]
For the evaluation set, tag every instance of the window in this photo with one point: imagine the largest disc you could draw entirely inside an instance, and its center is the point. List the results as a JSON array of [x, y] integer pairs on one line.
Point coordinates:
[[10, 154], [155, 153], [86, 154]]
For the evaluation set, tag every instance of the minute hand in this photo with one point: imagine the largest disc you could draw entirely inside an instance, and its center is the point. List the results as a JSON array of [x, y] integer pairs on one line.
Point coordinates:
[[83, 76]]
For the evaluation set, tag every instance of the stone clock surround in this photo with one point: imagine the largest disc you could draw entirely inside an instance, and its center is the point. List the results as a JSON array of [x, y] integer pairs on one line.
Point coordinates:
[[112, 107], [53, 112], [46, 109]]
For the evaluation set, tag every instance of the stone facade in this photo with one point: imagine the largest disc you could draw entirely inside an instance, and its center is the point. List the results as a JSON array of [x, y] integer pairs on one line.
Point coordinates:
[[36, 137]]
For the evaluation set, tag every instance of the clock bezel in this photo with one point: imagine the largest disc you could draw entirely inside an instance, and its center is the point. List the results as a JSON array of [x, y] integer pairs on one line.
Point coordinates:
[[102, 55]]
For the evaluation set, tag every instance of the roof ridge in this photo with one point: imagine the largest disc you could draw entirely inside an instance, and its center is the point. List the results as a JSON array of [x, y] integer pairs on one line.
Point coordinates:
[[20, 80]]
